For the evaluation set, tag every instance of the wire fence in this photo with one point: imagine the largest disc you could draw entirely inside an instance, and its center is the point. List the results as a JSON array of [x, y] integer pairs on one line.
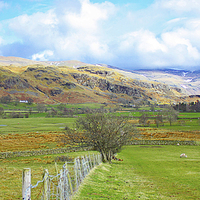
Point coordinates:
[[63, 185]]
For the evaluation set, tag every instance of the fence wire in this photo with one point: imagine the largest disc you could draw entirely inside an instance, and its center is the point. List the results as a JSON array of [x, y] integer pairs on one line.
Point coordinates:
[[66, 183]]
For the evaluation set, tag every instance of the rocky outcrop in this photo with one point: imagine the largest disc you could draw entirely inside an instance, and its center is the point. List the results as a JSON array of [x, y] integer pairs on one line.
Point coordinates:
[[55, 92], [97, 72], [14, 82], [106, 85], [134, 88]]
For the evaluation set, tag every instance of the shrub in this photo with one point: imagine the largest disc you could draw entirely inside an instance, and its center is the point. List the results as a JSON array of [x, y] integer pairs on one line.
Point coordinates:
[[63, 159]]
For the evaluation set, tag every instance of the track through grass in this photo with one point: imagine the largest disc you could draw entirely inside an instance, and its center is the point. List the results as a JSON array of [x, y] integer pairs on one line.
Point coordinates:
[[147, 172]]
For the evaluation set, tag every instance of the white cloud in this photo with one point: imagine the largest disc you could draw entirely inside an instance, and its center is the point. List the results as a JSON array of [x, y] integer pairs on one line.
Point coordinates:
[[88, 19], [74, 34], [176, 40], [143, 41], [181, 5], [170, 49], [176, 20], [43, 56], [38, 28], [160, 35]]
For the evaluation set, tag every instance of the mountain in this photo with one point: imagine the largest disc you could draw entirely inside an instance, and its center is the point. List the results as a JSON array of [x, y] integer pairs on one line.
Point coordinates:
[[78, 82]]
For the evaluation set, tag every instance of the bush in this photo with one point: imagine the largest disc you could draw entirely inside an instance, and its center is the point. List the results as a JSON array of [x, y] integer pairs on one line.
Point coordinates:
[[64, 159], [16, 115]]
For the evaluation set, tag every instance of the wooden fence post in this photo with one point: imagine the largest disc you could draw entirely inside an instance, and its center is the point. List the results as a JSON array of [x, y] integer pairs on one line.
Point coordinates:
[[75, 174], [61, 185], [87, 164], [90, 161], [79, 171], [94, 161], [46, 184], [26, 184], [83, 166], [65, 181], [69, 179]]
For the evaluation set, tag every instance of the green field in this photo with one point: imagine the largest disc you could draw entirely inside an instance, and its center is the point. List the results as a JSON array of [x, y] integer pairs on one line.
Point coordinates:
[[23, 125], [146, 172], [25, 106], [38, 122]]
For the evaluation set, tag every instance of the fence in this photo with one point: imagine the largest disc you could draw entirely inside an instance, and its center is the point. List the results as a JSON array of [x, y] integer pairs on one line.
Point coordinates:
[[63, 185]]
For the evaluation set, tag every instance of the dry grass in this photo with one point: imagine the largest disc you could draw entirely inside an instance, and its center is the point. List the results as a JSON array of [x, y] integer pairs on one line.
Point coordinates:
[[29, 141], [161, 134]]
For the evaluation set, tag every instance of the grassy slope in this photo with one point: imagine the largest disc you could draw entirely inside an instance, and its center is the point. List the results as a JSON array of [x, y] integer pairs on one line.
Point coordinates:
[[146, 173]]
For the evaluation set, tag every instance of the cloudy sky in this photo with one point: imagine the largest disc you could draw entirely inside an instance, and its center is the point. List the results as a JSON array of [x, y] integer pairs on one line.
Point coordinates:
[[129, 34]]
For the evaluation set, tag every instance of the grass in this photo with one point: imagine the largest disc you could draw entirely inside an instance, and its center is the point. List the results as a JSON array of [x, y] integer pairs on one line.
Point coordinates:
[[189, 115], [25, 106], [23, 125], [146, 173], [183, 125]]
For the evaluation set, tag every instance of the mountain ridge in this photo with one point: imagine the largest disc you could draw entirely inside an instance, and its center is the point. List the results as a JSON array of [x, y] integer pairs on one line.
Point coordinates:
[[78, 82]]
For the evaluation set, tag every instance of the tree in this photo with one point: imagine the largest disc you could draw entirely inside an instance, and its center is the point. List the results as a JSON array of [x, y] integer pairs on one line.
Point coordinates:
[[61, 107], [158, 119], [1, 112], [40, 107], [5, 99], [30, 101], [105, 132], [171, 115], [143, 119]]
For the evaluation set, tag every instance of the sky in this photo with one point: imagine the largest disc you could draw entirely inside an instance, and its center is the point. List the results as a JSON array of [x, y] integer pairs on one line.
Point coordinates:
[[129, 34]]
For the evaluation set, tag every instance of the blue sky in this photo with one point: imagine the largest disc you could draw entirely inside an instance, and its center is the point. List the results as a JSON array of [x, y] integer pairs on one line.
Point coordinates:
[[129, 34]]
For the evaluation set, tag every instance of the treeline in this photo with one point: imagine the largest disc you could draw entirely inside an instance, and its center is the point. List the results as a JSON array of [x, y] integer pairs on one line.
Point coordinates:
[[59, 111], [188, 107], [168, 114], [62, 111]]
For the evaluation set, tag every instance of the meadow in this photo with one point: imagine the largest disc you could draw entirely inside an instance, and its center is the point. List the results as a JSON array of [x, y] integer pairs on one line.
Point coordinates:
[[146, 172], [37, 132], [38, 122], [24, 125]]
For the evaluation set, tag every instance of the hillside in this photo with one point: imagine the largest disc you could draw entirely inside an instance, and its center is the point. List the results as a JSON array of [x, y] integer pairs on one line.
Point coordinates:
[[78, 82]]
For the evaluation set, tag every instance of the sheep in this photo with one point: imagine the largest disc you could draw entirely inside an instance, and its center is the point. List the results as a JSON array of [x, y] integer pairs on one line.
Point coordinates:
[[183, 155]]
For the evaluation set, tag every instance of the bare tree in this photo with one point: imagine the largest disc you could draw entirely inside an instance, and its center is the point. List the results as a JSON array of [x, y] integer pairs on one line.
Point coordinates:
[[40, 107], [158, 119], [171, 115], [1, 112], [105, 132], [143, 119]]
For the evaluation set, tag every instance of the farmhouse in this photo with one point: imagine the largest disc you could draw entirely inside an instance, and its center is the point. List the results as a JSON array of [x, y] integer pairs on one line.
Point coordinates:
[[23, 101]]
